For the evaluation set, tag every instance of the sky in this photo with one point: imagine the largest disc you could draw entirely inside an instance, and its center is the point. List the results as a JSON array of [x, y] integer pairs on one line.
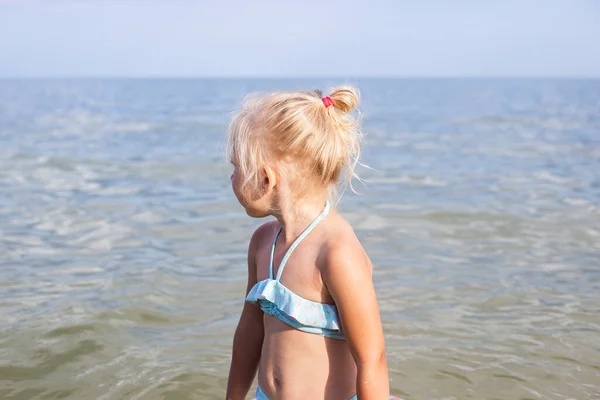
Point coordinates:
[[327, 38]]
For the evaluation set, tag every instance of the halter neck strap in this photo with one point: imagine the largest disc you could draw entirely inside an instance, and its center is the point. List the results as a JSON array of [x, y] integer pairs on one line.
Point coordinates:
[[295, 244]]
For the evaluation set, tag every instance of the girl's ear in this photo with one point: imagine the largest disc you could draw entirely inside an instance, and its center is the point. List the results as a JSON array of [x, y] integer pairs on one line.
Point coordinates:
[[269, 179]]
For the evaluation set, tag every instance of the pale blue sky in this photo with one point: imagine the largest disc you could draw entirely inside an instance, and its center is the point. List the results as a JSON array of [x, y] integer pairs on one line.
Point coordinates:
[[299, 38]]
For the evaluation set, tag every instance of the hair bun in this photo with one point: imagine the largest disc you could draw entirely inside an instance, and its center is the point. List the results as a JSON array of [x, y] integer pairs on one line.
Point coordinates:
[[345, 98]]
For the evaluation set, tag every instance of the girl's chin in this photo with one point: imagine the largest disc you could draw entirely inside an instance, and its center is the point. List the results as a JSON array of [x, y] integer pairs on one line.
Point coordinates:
[[254, 213]]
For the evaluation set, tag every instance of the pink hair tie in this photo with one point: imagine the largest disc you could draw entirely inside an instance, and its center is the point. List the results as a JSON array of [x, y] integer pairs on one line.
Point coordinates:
[[328, 101]]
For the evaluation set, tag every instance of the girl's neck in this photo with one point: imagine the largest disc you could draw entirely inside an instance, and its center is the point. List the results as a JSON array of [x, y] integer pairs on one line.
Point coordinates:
[[295, 216]]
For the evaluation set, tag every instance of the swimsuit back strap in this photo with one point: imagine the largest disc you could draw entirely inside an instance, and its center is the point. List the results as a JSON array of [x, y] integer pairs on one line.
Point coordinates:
[[296, 242], [273, 253]]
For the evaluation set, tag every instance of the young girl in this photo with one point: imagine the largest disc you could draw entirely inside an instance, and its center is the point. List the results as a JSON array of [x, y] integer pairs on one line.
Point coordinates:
[[310, 323]]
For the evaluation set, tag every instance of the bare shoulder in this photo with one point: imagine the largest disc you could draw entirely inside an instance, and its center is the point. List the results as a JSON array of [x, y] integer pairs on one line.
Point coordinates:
[[262, 234], [343, 252]]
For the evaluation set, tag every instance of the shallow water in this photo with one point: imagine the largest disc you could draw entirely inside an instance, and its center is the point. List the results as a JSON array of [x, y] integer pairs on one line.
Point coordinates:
[[122, 249]]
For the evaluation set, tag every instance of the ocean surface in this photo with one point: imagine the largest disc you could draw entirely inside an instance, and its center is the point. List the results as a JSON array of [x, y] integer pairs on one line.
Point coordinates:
[[122, 248]]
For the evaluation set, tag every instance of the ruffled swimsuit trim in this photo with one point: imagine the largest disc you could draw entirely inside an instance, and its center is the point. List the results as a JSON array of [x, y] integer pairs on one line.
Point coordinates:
[[277, 300]]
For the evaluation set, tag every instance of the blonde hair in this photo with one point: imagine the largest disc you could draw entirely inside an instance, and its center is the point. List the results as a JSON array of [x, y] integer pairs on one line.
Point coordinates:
[[316, 142]]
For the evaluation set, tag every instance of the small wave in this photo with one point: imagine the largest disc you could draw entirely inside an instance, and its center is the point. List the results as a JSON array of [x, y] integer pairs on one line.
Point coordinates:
[[409, 180]]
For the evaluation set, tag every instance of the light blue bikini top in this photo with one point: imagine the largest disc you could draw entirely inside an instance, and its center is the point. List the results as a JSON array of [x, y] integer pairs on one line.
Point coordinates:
[[277, 300]]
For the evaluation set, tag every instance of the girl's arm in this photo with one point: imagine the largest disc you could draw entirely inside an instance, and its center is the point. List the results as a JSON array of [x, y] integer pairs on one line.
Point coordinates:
[[348, 276], [248, 338]]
